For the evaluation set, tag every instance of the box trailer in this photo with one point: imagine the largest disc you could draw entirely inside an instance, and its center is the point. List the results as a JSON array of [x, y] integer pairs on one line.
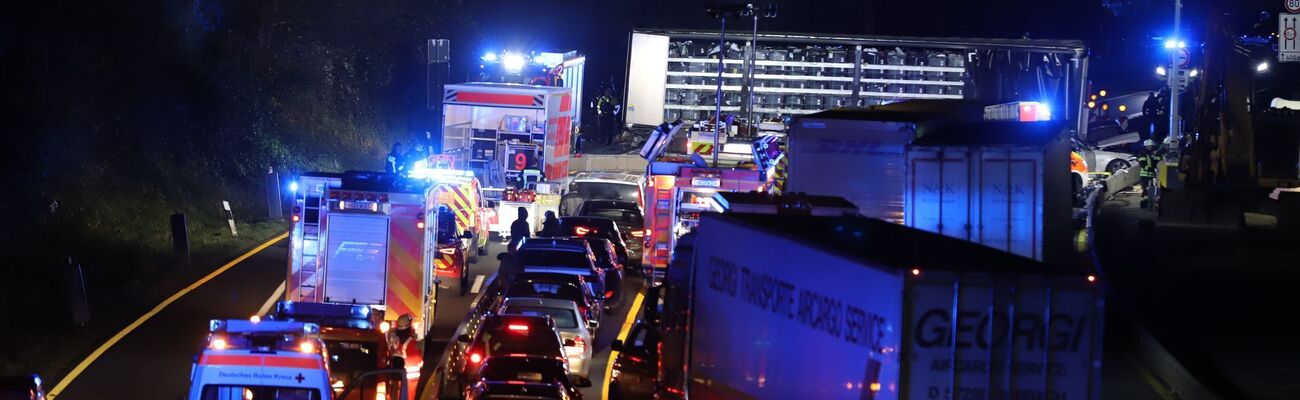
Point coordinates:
[[787, 306], [1005, 185]]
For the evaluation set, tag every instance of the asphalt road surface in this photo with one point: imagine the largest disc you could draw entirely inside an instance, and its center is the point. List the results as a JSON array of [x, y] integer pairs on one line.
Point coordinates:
[[153, 361]]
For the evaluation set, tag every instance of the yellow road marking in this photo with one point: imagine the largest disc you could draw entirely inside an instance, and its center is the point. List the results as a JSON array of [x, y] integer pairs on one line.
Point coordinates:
[[271, 301], [63, 383], [622, 336]]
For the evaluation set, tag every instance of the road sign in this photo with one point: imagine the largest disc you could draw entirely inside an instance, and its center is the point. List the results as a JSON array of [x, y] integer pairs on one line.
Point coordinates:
[[1180, 57], [1288, 45], [1292, 6]]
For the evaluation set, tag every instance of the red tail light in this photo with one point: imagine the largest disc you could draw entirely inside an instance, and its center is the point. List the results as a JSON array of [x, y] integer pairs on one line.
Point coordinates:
[[419, 221], [609, 294], [296, 211], [581, 230], [580, 344], [475, 357], [518, 328]]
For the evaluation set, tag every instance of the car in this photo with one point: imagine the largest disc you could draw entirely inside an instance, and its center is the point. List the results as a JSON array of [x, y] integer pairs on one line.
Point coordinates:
[[1109, 155], [634, 371], [598, 185], [630, 220], [21, 387], [600, 227], [500, 335], [556, 286], [563, 256], [523, 377], [607, 260], [569, 321]]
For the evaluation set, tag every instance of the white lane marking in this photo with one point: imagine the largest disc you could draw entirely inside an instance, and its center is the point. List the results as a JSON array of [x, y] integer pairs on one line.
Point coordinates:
[[271, 301], [478, 284]]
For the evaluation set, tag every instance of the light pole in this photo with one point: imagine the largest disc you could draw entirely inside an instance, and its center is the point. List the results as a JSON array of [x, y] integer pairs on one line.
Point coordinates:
[[1175, 45], [752, 11]]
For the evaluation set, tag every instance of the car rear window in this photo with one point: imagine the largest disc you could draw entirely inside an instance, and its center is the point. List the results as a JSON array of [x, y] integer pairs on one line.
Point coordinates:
[[537, 341], [550, 290], [553, 257], [607, 191], [521, 369], [621, 216], [351, 358], [564, 318]]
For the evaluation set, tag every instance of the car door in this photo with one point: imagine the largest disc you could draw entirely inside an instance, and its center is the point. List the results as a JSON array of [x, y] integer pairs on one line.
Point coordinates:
[[635, 367]]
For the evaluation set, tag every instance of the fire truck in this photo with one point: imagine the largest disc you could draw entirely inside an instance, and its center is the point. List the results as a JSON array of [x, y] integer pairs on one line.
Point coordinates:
[[370, 238], [679, 188], [513, 137]]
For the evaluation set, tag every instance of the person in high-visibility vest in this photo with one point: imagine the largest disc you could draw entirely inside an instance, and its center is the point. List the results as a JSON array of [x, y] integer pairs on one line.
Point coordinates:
[[1148, 161], [402, 343]]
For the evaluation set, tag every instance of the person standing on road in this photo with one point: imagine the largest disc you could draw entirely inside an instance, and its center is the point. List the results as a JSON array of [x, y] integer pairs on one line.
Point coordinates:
[[396, 159], [1148, 160], [550, 226], [519, 230], [402, 344]]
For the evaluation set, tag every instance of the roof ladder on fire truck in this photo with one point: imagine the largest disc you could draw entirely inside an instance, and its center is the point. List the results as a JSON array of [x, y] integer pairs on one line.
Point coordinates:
[[310, 239]]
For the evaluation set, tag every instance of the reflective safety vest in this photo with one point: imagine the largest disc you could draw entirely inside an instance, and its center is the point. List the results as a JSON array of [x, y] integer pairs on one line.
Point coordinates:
[[1148, 163]]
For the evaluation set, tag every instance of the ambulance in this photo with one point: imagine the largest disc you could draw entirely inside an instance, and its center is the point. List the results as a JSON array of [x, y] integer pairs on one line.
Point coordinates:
[[679, 188], [255, 359]]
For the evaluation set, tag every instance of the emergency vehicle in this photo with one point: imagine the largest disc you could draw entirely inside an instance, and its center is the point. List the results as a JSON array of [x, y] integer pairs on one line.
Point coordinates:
[[354, 336], [370, 238], [513, 137], [679, 189], [250, 359]]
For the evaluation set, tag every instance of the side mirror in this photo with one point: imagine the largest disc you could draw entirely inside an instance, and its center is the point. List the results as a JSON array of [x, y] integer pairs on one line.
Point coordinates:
[[463, 338], [501, 256], [616, 345], [570, 343], [593, 324], [467, 235]]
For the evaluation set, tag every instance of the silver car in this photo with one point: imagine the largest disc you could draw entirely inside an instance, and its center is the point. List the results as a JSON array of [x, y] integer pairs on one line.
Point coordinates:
[[577, 332]]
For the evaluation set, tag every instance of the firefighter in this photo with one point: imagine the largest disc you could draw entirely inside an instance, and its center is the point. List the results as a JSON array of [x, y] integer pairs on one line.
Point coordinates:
[[396, 159], [606, 111], [550, 226], [1148, 160], [402, 344]]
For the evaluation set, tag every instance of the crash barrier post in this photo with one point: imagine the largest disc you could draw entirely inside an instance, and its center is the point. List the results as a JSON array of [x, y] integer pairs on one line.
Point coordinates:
[[180, 239], [274, 201], [230, 217], [75, 288]]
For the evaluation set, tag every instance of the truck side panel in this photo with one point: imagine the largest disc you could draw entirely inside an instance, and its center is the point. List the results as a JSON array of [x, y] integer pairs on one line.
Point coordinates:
[[405, 263], [795, 323], [1001, 338], [823, 152]]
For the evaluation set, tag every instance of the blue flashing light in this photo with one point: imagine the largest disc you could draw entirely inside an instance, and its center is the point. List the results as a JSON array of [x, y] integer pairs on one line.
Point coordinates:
[[1175, 44], [513, 63], [490, 57], [293, 186]]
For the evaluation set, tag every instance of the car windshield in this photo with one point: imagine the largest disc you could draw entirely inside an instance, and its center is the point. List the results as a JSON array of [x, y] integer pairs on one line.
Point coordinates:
[[564, 318], [621, 216], [447, 227], [522, 369], [350, 359], [534, 340], [553, 257], [607, 191], [241, 392]]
